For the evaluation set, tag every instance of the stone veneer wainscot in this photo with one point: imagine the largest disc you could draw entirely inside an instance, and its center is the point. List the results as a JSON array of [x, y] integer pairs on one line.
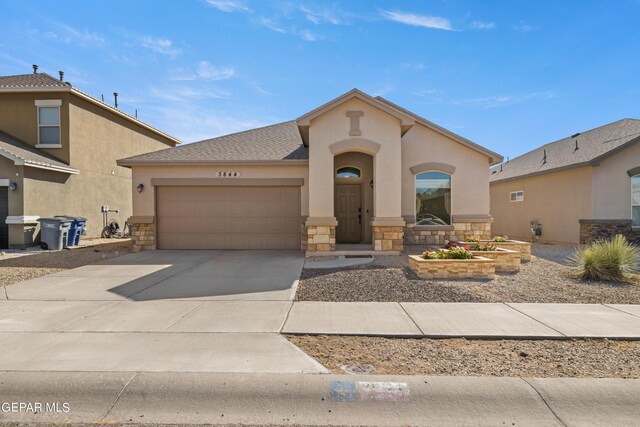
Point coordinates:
[[475, 268], [440, 234], [592, 230], [321, 238], [143, 233]]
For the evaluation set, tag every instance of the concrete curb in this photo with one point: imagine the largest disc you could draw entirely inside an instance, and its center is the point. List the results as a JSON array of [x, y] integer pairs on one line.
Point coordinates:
[[282, 399]]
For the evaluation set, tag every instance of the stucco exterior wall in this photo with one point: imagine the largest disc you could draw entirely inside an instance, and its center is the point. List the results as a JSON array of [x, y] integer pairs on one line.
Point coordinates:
[[144, 203], [92, 140], [13, 173], [19, 118], [611, 190], [469, 182], [556, 200], [375, 125]]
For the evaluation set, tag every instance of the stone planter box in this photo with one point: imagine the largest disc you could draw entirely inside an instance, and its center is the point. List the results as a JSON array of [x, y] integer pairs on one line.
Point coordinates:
[[514, 245], [507, 261], [476, 268]]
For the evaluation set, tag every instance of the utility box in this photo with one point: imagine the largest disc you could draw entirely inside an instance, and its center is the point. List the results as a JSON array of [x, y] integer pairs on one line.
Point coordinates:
[[54, 233]]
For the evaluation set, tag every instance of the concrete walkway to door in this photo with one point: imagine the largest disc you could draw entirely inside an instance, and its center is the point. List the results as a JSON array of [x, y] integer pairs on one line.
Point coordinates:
[[159, 311]]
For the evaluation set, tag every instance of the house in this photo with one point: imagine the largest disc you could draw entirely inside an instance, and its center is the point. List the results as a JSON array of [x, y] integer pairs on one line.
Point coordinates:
[[357, 170], [58, 151], [579, 189]]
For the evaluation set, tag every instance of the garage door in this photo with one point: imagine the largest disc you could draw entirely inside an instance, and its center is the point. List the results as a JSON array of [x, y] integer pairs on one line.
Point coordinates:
[[228, 217]]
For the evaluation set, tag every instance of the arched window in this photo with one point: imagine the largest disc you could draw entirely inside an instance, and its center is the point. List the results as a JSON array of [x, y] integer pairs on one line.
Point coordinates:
[[348, 172], [433, 198], [635, 200]]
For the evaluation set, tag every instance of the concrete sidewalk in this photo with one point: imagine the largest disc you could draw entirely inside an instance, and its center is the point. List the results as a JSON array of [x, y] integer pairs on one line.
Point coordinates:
[[285, 399], [468, 320]]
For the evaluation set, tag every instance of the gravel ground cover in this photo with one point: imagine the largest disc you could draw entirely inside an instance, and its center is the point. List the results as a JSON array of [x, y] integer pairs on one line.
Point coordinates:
[[18, 266], [504, 358], [546, 279]]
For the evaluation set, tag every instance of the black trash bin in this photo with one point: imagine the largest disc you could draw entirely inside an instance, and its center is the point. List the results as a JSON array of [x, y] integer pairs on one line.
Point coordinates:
[[54, 233]]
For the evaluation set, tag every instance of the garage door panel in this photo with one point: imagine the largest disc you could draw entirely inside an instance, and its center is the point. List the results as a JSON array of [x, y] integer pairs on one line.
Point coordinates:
[[228, 217]]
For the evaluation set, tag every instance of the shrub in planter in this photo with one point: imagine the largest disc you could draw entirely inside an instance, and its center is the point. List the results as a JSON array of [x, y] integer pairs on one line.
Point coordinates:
[[501, 239], [610, 260], [454, 252], [484, 247], [472, 240]]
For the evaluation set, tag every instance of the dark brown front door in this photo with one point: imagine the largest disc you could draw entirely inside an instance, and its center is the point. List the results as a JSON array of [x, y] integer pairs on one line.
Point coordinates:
[[348, 211], [4, 212]]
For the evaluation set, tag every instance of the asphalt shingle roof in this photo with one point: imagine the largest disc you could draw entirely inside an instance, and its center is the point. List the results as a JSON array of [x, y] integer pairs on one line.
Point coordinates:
[[15, 149], [276, 142], [562, 154], [31, 80]]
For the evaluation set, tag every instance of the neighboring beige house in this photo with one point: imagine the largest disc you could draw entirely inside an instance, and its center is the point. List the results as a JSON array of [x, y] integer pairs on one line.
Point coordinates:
[[355, 170], [580, 189], [58, 151]]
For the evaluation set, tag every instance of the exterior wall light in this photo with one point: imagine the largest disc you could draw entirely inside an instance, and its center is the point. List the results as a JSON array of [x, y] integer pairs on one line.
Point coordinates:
[[140, 187], [13, 186]]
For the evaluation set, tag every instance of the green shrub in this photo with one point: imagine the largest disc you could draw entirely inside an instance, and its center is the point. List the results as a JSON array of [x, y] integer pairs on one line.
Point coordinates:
[[500, 239], [610, 260], [472, 240], [485, 247]]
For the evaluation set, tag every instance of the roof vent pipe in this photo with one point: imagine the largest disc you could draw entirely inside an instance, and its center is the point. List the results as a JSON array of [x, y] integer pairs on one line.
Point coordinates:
[[35, 69], [576, 149], [500, 168], [61, 73], [115, 96], [544, 158]]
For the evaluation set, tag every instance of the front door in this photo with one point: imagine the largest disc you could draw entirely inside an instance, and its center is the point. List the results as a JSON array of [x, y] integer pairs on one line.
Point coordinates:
[[4, 212], [348, 212]]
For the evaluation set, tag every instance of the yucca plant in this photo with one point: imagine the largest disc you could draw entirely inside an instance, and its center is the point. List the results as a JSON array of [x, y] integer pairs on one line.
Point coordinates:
[[611, 260]]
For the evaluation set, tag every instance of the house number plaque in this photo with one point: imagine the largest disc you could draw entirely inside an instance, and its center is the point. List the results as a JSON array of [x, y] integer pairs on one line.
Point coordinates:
[[228, 174]]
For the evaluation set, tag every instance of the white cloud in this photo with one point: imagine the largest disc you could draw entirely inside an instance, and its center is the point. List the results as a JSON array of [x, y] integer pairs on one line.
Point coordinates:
[[308, 36], [320, 16], [207, 71], [64, 33], [270, 24], [229, 5], [522, 27], [204, 71], [425, 21], [503, 100], [479, 25], [159, 45], [181, 93], [415, 66]]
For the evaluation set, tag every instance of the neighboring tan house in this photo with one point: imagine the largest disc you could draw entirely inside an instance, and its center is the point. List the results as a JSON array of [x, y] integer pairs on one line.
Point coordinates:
[[355, 170], [58, 151], [580, 189]]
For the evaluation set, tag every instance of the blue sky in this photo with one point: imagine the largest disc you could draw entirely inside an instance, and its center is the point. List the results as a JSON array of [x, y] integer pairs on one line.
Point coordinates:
[[510, 75]]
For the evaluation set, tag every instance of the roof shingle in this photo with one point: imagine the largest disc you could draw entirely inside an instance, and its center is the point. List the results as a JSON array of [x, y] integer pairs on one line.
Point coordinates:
[[562, 154], [35, 80], [276, 142], [15, 149]]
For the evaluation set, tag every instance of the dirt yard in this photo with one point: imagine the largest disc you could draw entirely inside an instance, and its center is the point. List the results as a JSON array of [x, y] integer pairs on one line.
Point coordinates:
[[17, 266], [505, 358], [546, 279]]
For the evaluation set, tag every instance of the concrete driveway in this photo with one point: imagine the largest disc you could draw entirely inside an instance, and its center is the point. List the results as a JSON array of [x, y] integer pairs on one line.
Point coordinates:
[[157, 311]]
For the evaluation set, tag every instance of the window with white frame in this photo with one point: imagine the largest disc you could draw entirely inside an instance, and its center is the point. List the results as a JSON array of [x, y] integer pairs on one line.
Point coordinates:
[[635, 201], [516, 196], [49, 122]]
